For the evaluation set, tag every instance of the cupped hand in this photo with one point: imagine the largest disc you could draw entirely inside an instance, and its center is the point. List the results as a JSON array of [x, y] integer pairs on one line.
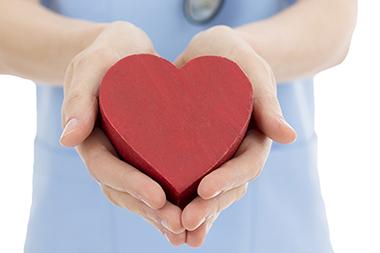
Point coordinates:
[[127, 187], [227, 184], [123, 184]]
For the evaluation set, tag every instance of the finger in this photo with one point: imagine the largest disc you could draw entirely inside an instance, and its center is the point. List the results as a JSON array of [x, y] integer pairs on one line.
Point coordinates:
[[180, 61], [175, 239], [197, 237], [154, 217], [80, 104], [169, 216], [190, 52], [267, 113], [198, 211], [244, 167], [99, 156]]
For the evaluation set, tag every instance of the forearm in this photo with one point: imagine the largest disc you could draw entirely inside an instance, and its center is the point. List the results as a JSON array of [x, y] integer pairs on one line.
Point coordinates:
[[38, 44], [304, 39]]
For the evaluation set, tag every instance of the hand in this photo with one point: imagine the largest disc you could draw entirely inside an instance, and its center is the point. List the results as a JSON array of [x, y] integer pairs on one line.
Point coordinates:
[[227, 184], [123, 184]]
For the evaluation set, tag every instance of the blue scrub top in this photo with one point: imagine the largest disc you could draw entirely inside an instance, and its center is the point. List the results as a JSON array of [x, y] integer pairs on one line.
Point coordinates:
[[282, 212]]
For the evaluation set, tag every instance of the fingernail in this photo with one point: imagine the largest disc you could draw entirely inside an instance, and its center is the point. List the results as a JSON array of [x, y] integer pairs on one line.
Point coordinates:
[[294, 133], [208, 226], [139, 197], [216, 194], [69, 127], [147, 203], [200, 223], [165, 224], [285, 123], [166, 236]]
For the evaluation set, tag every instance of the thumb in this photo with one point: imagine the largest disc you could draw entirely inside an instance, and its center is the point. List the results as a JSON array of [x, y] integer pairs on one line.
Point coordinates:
[[267, 113], [80, 103], [79, 113], [269, 119]]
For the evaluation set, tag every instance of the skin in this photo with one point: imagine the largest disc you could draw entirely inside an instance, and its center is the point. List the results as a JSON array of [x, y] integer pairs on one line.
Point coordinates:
[[46, 47]]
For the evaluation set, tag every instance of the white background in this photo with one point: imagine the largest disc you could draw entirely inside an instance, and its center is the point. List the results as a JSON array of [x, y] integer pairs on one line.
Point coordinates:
[[348, 126]]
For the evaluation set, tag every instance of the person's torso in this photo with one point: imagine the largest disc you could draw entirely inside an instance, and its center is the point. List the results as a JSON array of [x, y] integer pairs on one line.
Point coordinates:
[[282, 212]]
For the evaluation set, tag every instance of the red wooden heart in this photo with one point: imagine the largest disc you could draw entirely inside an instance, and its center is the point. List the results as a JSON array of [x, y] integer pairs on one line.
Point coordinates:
[[175, 125]]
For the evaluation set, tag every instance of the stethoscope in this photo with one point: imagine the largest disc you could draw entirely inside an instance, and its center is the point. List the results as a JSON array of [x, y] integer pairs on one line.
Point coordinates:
[[201, 11]]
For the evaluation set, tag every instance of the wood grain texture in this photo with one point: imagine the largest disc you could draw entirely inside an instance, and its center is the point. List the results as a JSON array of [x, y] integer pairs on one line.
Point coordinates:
[[175, 125]]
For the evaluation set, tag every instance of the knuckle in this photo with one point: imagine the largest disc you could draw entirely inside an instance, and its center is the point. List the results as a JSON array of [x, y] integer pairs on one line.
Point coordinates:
[[71, 98], [199, 36], [75, 95], [266, 99], [242, 54], [140, 40], [101, 55], [219, 29], [268, 74], [104, 56], [122, 25], [144, 46], [79, 60], [146, 42], [142, 43]]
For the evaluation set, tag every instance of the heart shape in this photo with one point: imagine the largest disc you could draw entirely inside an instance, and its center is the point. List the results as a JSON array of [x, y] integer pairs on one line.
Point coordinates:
[[175, 125]]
